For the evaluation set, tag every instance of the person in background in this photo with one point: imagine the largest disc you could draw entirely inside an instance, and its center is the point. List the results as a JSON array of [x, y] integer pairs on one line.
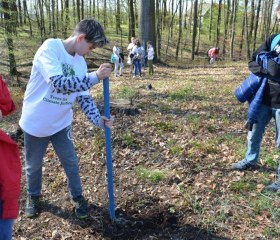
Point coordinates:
[[137, 59], [118, 59], [262, 64], [130, 54], [10, 170], [59, 77], [213, 54], [151, 53]]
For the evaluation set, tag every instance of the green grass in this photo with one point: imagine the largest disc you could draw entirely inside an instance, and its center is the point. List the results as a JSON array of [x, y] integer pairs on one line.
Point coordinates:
[[154, 176], [242, 186], [181, 94], [128, 139]]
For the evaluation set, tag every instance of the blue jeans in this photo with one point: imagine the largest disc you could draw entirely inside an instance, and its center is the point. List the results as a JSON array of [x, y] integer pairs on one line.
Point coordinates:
[[255, 136], [137, 66], [6, 226], [35, 148]]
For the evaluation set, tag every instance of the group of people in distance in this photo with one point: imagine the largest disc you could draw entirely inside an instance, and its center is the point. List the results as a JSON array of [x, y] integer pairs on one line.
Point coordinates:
[[137, 57], [59, 78]]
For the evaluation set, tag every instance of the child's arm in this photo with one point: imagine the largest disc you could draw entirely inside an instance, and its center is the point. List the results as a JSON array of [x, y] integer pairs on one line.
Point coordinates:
[[64, 84], [89, 108]]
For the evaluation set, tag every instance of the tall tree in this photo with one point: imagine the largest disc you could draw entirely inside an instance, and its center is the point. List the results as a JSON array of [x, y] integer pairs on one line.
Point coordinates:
[[210, 21], [180, 29], [218, 23], [158, 32], [20, 13], [53, 19], [226, 26], [105, 14], [8, 10], [131, 27], [234, 9], [252, 20], [246, 29], [67, 19], [118, 17], [199, 25], [195, 13], [256, 25], [146, 23], [78, 6]]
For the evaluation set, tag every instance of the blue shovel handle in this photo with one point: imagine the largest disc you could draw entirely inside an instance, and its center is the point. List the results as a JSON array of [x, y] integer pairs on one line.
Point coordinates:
[[110, 180]]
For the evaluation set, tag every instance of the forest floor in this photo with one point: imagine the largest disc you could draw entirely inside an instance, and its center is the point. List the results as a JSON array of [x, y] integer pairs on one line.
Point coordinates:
[[171, 162]]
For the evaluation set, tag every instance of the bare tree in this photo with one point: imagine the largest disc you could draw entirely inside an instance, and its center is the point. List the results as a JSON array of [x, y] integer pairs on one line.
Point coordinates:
[[158, 30], [246, 29], [131, 27], [226, 26], [195, 9], [180, 29], [210, 21], [26, 16], [218, 23], [256, 25], [20, 13], [234, 9], [118, 17]]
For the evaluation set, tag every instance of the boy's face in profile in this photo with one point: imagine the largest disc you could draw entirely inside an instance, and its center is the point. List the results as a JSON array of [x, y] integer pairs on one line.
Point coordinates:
[[83, 47]]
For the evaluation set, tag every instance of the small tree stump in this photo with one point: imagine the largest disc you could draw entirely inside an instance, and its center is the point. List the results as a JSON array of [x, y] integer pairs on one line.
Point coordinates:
[[123, 106]]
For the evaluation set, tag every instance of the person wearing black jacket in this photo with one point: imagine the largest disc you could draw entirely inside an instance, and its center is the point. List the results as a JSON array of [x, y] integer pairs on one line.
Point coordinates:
[[270, 107]]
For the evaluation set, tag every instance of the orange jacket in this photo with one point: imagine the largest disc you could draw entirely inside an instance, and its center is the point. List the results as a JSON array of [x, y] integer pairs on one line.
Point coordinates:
[[10, 168]]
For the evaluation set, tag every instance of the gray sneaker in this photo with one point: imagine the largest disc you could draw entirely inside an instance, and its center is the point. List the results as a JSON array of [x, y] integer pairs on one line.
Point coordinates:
[[243, 165], [32, 206], [81, 207], [274, 187]]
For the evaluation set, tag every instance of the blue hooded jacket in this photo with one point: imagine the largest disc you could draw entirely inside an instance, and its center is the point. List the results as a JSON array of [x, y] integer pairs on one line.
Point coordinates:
[[253, 87]]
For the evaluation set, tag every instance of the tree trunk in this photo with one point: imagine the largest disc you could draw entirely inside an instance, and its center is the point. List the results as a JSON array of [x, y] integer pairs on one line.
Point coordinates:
[[256, 25], [234, 9], [159, 22], [67, 19], [82, 9], [242, 35], [105, 14], [199, 26], [131, 20], [246, 30], [26, 16], [170, 29], [9, 32], [219, 24], [146, 23], [78, 6], [194, 27], [226, 27], [53, 18], [180, 29], [210, 21], [252, 19], [118, 17], [20, 13]]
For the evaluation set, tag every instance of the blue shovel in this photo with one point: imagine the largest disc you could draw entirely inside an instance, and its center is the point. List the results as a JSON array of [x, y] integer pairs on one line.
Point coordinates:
[[110, 179], [120, 220]]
